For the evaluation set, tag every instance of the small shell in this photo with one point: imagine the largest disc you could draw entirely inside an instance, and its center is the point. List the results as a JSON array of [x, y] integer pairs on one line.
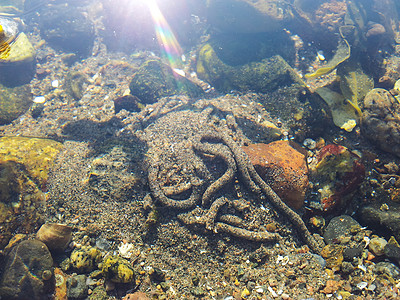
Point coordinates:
[[55, 236], [320, 55]]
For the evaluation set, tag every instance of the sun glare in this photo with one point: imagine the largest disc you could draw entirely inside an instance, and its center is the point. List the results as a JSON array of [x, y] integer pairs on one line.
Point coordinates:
[[165, 36]]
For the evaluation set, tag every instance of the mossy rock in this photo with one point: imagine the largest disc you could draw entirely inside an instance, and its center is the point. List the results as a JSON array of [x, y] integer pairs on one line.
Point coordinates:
[[85, 259], [37, 155], [24, 166], [21, 50], [155, 79], [14, 102], [264, 76], [118, 270]]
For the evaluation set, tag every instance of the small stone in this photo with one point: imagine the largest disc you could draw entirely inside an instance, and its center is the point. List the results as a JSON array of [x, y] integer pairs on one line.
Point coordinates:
[[99, 293], [338, 226], [118, 270], [76, 287], [245, 293], [85, 259], [333, 255], [55, 236], [377, 246]]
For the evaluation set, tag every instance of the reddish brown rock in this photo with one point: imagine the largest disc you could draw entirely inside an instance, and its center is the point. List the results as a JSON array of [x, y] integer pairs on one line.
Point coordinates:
[[283, 167]]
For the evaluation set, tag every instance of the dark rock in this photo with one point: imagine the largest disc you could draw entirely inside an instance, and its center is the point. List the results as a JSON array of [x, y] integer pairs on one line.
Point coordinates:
[[388, 221], [338, 226], [76, 287], [245, 16], [127, 102], [351, 252], [65, 27], [155, 79], [392, 250], [380, 120], [26, 267], [263, 76], [75, 84], [14, 102]]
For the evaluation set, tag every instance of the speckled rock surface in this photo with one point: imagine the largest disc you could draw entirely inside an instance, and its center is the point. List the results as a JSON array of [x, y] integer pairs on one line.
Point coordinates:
[[24, 272], [381, 120]]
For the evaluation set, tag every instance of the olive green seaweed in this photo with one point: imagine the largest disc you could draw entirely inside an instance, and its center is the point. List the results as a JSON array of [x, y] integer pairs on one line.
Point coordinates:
[[354, 84], [342, 54]]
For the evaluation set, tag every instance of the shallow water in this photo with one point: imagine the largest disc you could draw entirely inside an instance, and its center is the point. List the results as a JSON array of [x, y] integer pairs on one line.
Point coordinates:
[[200, 149]]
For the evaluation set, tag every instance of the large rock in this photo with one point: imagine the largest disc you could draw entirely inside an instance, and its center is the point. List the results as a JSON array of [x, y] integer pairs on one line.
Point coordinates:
[[17, 55], [381, 122], [263, 76], [155, 79], [28, 272], [67, 27], [248, 16], [24, 167], [283, 167], [377, 217], [14, 102]]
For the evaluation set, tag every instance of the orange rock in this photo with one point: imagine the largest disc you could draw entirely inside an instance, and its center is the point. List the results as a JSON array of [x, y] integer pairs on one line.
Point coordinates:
[[283, 167], [60, 292]]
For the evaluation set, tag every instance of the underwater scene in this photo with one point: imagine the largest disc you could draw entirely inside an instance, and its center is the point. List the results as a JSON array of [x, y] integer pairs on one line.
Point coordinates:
[[199, 149]]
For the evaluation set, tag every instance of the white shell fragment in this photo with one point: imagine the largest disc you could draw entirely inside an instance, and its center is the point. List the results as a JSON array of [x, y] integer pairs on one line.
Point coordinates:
[[55, 83], [320, 55], [39, 99]]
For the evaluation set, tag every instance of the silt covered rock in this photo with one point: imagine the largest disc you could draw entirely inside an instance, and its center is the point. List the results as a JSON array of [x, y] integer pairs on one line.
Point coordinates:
[[14, 102], [381, 121], [155, 79], [28, 272]]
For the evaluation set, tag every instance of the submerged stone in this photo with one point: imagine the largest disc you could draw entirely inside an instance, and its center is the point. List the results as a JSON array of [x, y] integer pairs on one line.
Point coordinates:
[[155, 79], [14, 102], [338, 172], [85, 259], [24, 167], [283, 167], [118, 270], [264, 76], [381, 123], [26, 272]]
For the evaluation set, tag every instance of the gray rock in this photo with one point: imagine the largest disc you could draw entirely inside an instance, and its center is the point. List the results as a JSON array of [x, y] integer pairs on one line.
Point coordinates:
[[25, 267], [380, 123], [14, 102], [76, 287], [338, 226], [155, 79], [387, 268], [389, 220]]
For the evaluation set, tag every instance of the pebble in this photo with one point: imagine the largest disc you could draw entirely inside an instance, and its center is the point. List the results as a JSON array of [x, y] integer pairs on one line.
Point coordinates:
[[377, 246], [310, 143], [55, 83], [39, 99]]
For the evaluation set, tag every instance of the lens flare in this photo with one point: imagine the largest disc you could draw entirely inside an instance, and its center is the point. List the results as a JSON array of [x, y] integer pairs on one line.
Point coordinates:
[[165, 36]]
